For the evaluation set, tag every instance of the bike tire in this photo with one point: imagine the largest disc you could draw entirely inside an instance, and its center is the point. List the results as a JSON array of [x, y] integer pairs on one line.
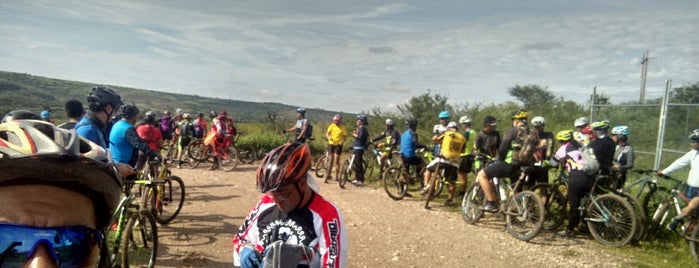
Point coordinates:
[[139, 242], [694, 242], [197, 150], [439, 186], [345, 171], [171, 200], [369, 165], [554, 206], [662, 216], [641, 218], [321, 166], [616, 228], [655, 197], [394, 184], [524, 215], [431, 189], [471, 204], [229, 161]]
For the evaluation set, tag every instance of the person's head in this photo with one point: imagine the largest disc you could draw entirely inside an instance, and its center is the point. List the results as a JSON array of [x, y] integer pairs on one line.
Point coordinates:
[[200, 115], [600, 128], [46, 115], [390, 124], [149, 117], [74, 109], [213, 114], [300, 113], [564, 136], [453, 126], [179, 112], [444, 117], [223, 113], [489, 123], [58, 184], [20, 115], [337, 119], [465, 122], [412, 124], [620, 134], [166, 114], [580, 123], [129, 112], [538, 122], [519, 118], [362, 120], [104, 100], [694, 139], [187, 116], [283, 175]]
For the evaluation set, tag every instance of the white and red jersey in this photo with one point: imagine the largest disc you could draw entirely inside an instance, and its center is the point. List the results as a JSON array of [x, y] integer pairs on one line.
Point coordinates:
[[319, 225]]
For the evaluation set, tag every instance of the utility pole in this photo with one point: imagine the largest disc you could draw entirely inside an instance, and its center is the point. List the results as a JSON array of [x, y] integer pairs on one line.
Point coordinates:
[[644, 72]]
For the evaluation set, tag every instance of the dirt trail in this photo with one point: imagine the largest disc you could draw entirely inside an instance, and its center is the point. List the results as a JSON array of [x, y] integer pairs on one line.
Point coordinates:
[[381, 232]]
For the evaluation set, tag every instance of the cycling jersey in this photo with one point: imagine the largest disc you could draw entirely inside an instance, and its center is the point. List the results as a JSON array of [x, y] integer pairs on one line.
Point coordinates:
[[93, 129], [488, 142], [691, 159], [319, 225], [337, 133], [150, 134], [199, 127], [470, 136], [505, 150], [408, 143], [219, 127], [392, 139], [604, 148], [362, 138], [452, 145], [124, 139], [438, 130]]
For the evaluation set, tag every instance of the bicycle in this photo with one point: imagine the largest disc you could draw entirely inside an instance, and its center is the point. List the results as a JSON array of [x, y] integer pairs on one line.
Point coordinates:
[[398, 179], [347, 170], [648, 189], [524, 211], [435, 183], [166, 192], [227, 153], [375, 157], [133, 236]]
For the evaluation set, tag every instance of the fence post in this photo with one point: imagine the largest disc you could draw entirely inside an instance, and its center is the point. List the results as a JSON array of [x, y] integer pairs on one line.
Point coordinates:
[[661, 125]]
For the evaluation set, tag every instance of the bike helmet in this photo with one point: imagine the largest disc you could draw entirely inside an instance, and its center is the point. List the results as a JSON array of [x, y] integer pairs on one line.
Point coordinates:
[[390, 122], [490, 121], [362, 118], [200, 115], [538, 121], [444, 115], [580, 122], [694, 136], [465, 120], [620, 130], [452, 124], [36, 152], [129, 111], [101, 96], [337, 118], [186, 116], [284, 165], [19, 115], [521, 114], [45, 114], [301, 111], [166, 112], [178, 112], [149, 117], [213, 114], [600, 125], [564, 135], [411, 123], [223, 112]]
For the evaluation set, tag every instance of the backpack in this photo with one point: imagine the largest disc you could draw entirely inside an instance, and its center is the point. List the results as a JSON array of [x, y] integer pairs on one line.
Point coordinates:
[[590, 163], [309, 129], [524, 145], [185, 129]]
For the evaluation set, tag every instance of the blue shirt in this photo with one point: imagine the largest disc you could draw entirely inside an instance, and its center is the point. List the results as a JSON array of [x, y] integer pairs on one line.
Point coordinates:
[[122, 150], [408, 143], [91, 128]]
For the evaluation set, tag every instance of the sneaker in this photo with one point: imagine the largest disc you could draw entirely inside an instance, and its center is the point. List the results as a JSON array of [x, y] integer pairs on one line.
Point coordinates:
[[673, 225], [490, 207], [448, 203], [566, 233], [357, 183], [424, 190]]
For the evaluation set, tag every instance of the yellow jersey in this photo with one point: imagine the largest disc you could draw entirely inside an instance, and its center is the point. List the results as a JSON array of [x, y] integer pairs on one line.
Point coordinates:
[[337, 133], [453, 144]]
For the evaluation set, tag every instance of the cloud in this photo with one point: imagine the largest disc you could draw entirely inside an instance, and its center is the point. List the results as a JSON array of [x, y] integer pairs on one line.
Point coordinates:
[[381, 50]]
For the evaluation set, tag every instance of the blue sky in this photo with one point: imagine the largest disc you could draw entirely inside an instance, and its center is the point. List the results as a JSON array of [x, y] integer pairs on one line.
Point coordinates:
[[356, 55]]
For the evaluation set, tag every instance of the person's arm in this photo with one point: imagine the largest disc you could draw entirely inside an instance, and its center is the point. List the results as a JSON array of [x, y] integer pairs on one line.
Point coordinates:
[[505, 144], [629, 159], [247, 237], [138, 143], [681, 162], [334, 246], [379, 137], [304, 127]]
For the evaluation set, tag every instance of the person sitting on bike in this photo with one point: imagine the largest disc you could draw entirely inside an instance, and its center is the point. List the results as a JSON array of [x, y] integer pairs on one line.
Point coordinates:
[[408, 145], [603, 146], [691, 159], [579, 183], [292, 215], [361, 139], [124, 139], [540, 170], [623, 155], [583, 133], [466, 163], [301, 126], [148, 131], [58, 192], [392, 140], [487, 143], [185, 137], [439, 129], [453, 144], [505, 166], [219, 129], [199, 126], [336, 135]]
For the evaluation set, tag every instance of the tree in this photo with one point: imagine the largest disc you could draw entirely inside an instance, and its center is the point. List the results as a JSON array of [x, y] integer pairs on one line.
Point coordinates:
[[685, 94], [425, 107]]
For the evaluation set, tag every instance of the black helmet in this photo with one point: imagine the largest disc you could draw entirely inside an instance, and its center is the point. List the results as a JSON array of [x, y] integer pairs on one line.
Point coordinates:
[[101, 96], [149, 117], [212, 114], [20, 115], [411, 123], [129, 111]]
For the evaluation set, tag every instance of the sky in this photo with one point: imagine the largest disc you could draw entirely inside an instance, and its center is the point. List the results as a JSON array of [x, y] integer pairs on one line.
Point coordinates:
[[354, 56]]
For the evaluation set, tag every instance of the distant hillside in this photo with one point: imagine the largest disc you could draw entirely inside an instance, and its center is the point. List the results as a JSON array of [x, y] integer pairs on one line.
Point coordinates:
[[35, 93]]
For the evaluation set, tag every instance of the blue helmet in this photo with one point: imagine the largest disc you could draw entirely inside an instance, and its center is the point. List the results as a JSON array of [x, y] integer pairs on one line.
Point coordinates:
[[362, 118], [45, 114], [444, 115], [620, 130], [301, 111]]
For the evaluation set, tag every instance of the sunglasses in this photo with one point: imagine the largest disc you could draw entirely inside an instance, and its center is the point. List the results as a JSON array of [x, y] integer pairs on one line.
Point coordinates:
[[68, 246]]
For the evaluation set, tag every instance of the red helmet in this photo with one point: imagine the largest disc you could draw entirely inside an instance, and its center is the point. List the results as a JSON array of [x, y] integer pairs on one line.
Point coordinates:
[[223, 112], [284, 165], [337, 118]]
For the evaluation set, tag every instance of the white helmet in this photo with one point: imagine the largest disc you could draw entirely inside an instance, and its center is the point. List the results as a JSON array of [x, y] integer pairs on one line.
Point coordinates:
[[538, 121], [390, 122], [452, 124], [581, 122], [465, 120]]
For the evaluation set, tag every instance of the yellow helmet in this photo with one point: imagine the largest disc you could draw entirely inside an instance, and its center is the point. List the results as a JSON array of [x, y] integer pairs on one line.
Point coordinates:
[[564, 135]]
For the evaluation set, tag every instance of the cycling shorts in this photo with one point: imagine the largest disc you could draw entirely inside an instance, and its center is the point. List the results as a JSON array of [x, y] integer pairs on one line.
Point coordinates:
[[335, 149], [415, 161], [466, 164], [538, 174], [502, 169], [692, 192], [450, 168]]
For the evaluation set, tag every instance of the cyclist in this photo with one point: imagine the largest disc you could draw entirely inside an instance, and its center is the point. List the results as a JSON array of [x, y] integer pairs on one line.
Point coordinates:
[[199, 126], [544, 150], [123, 139], [466, 163], [166, 126], [439, 129], [361, 139], [58, 192], [691, 159], [336, 135], [602, 146], [487, 142], [185, 137], [74, 112], [291, 211], [453, 144], [408, 144], [623, 155], [219, 129], [583, 133], [579, 183], [230, 127], [301, 126], [148, 131], [103, 104], [392, 140], [505, 165]]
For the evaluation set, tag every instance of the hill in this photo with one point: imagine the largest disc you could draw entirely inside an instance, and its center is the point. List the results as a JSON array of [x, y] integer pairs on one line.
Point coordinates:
[[36, 93]]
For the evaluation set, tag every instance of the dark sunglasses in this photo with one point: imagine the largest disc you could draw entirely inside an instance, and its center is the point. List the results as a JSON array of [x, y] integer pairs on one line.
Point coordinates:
[[69, 246]]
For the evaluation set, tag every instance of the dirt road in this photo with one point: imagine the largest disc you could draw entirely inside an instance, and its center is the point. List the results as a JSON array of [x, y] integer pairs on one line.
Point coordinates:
[[381, 232]]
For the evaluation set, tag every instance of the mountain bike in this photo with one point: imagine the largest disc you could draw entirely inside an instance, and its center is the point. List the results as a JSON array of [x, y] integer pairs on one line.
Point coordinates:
[[524, 211], [164, 196], [648, 190], [397, 180], [226, 152], [375, 160], [347, 170], [436, 182]]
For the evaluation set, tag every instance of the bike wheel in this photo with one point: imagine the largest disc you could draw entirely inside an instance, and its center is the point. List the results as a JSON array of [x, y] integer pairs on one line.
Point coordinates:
[[394, 184], [655, 197], [662, 216], [431, 189], [139, 242], [345, 172], [197, 150], [230, 159], [439, 186], [611, 220], [694, 242], [554, 205], [321, 166], [471, 204], [170, 201], [524, 215], [641, 218]]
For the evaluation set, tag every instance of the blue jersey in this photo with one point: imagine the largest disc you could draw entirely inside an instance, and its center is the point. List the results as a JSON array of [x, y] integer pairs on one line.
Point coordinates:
[[93, 129], [122, 150], [408, 143]]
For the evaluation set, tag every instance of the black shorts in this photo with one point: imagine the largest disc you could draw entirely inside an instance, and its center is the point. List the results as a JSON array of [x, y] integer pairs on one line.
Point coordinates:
[[466, 164], [450, 171], [415, 161], [502, 169], [335, 149]]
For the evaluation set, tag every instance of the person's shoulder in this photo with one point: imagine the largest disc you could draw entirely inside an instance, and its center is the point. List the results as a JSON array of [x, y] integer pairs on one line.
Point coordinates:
[[324, 207]]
